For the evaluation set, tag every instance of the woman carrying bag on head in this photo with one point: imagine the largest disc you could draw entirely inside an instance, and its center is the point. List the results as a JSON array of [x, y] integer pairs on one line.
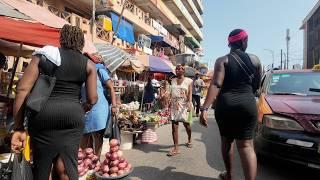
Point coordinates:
[[55, 130], [97, 119]]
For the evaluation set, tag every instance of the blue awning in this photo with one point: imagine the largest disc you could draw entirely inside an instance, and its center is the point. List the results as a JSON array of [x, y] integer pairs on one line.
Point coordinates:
[[165, 42], [125, 30]]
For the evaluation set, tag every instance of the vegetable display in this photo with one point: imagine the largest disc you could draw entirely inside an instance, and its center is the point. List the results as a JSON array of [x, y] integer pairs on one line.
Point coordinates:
[[87, 160], [114, 164]]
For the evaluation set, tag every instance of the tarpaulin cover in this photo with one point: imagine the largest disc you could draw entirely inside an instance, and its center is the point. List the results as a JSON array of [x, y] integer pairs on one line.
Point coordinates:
[[114, 57], [156, 64], [34, 34], [45, 17], [6, 10], [125, 30]]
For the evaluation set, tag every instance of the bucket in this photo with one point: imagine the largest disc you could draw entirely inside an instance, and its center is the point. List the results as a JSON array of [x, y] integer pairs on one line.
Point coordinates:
[[126, 140]]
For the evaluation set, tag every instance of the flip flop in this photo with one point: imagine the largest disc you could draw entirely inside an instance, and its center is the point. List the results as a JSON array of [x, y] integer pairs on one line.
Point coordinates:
[[223, 175], [173, 153], [189, 145]]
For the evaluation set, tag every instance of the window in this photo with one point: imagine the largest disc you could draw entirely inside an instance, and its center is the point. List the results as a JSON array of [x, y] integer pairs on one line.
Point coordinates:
[[294, 83]]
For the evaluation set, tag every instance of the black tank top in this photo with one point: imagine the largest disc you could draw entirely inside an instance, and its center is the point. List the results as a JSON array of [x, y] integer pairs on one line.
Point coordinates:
[[70, 75], [236, 80]]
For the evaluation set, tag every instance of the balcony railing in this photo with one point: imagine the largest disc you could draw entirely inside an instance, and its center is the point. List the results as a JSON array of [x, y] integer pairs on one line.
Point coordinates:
[[103, 34], [62, 14]]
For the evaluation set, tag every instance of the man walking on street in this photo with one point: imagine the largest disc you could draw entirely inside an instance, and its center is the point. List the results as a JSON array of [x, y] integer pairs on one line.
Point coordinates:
[[198, 85]]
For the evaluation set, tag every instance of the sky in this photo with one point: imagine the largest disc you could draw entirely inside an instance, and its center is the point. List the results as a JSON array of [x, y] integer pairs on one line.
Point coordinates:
[[266, 22]]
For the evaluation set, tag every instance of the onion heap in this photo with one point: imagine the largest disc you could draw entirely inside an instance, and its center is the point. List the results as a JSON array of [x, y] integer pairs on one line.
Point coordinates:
[[87, 160], [114, 164]]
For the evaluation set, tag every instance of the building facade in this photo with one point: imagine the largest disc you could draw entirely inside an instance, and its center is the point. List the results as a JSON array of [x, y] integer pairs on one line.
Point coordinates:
[[157, 27], [311, 27]]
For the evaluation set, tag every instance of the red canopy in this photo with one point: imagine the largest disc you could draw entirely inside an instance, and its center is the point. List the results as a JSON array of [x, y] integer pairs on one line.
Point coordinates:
[[28, 33]]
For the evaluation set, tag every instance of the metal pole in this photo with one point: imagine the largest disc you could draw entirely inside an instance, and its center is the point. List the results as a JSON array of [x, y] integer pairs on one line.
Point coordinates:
[[272, 53], [145, 77], [119, 20], [281, 60], [93, 18], [15, 65], [288, 40]]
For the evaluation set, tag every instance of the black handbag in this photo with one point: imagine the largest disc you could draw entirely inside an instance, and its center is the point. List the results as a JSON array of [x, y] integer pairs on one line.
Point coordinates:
[[44, 85]]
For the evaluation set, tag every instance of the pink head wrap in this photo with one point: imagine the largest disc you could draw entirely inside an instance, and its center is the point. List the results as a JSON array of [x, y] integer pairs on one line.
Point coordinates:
[[241, 35]]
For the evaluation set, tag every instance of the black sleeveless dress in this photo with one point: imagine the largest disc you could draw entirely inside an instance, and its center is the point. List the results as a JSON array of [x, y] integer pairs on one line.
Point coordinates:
[[57, 128], [236, 110]]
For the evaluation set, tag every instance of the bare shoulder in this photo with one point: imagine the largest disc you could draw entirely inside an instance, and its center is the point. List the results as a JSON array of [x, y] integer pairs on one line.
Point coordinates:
[[255, 59], [222, 59]]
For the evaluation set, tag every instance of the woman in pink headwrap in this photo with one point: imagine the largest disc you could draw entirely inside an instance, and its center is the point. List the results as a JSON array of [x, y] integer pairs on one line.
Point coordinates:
[[236, 79]]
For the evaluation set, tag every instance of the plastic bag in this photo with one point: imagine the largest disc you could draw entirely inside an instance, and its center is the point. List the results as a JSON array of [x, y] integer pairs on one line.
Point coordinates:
[[115, 129], [21, 168], [190, 117]]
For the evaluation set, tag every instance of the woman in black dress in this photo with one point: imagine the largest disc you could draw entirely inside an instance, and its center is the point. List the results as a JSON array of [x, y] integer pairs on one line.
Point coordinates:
[[56, 130], [236, 79]]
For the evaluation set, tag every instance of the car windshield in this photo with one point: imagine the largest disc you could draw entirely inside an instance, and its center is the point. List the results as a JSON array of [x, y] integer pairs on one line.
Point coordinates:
[[295, 84]]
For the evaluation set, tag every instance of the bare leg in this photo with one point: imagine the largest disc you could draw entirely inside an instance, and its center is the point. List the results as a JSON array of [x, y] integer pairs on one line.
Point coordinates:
[[227, 154], [86, 141], [188, 129], [60, 169], [248, 158], [175, 137], [98, 141]]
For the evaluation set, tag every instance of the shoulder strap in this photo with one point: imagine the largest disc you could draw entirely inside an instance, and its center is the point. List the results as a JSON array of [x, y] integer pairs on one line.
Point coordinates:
[[243, 66], [99, 75]]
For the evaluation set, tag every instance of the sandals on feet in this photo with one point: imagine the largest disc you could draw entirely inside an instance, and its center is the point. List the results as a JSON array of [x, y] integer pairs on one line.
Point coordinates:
[[173, 153], [223, 176], [189, 145]]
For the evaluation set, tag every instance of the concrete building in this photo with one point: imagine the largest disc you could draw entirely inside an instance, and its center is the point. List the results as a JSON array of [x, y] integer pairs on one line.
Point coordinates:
[[311, 27], [157, 27]]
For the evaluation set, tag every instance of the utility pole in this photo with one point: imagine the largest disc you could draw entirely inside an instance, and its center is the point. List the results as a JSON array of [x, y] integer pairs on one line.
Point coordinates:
[[288, 40], [272, 53], [281, 60]]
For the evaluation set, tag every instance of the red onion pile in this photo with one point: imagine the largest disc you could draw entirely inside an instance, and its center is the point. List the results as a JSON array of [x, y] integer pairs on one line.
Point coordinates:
[[87, 160], [115, 164]]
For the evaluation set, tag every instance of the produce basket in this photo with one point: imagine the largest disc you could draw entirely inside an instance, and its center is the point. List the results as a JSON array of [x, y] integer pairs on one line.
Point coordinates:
[[99, 177]]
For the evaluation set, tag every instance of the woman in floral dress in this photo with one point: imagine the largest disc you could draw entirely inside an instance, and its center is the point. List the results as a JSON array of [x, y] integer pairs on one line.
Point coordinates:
[[181, 105]]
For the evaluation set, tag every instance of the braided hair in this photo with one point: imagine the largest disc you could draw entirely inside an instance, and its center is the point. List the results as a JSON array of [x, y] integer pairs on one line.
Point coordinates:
[[71, 37]]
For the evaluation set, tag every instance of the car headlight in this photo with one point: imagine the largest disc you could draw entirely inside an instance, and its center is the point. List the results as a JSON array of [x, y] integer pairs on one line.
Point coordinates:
[[317, 124], [282, 123]]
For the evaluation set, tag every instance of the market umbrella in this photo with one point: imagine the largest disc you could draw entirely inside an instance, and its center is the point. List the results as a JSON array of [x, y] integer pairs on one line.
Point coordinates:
[[156, 64], [114, 57]]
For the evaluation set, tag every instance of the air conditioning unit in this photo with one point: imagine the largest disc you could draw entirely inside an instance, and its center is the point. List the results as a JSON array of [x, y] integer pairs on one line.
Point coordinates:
[[144, 41]]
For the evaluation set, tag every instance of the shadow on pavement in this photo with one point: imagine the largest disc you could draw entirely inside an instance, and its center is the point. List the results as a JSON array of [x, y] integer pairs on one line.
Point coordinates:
[[168, 173], [267, 168], [148, 148], [210, 137]]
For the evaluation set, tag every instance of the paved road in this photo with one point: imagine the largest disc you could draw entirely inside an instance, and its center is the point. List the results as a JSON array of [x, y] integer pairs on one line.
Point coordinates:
[[203, 161]]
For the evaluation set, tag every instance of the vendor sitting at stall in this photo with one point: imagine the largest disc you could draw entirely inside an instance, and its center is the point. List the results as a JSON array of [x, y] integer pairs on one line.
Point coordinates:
[[149, 95], [3, 63]]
